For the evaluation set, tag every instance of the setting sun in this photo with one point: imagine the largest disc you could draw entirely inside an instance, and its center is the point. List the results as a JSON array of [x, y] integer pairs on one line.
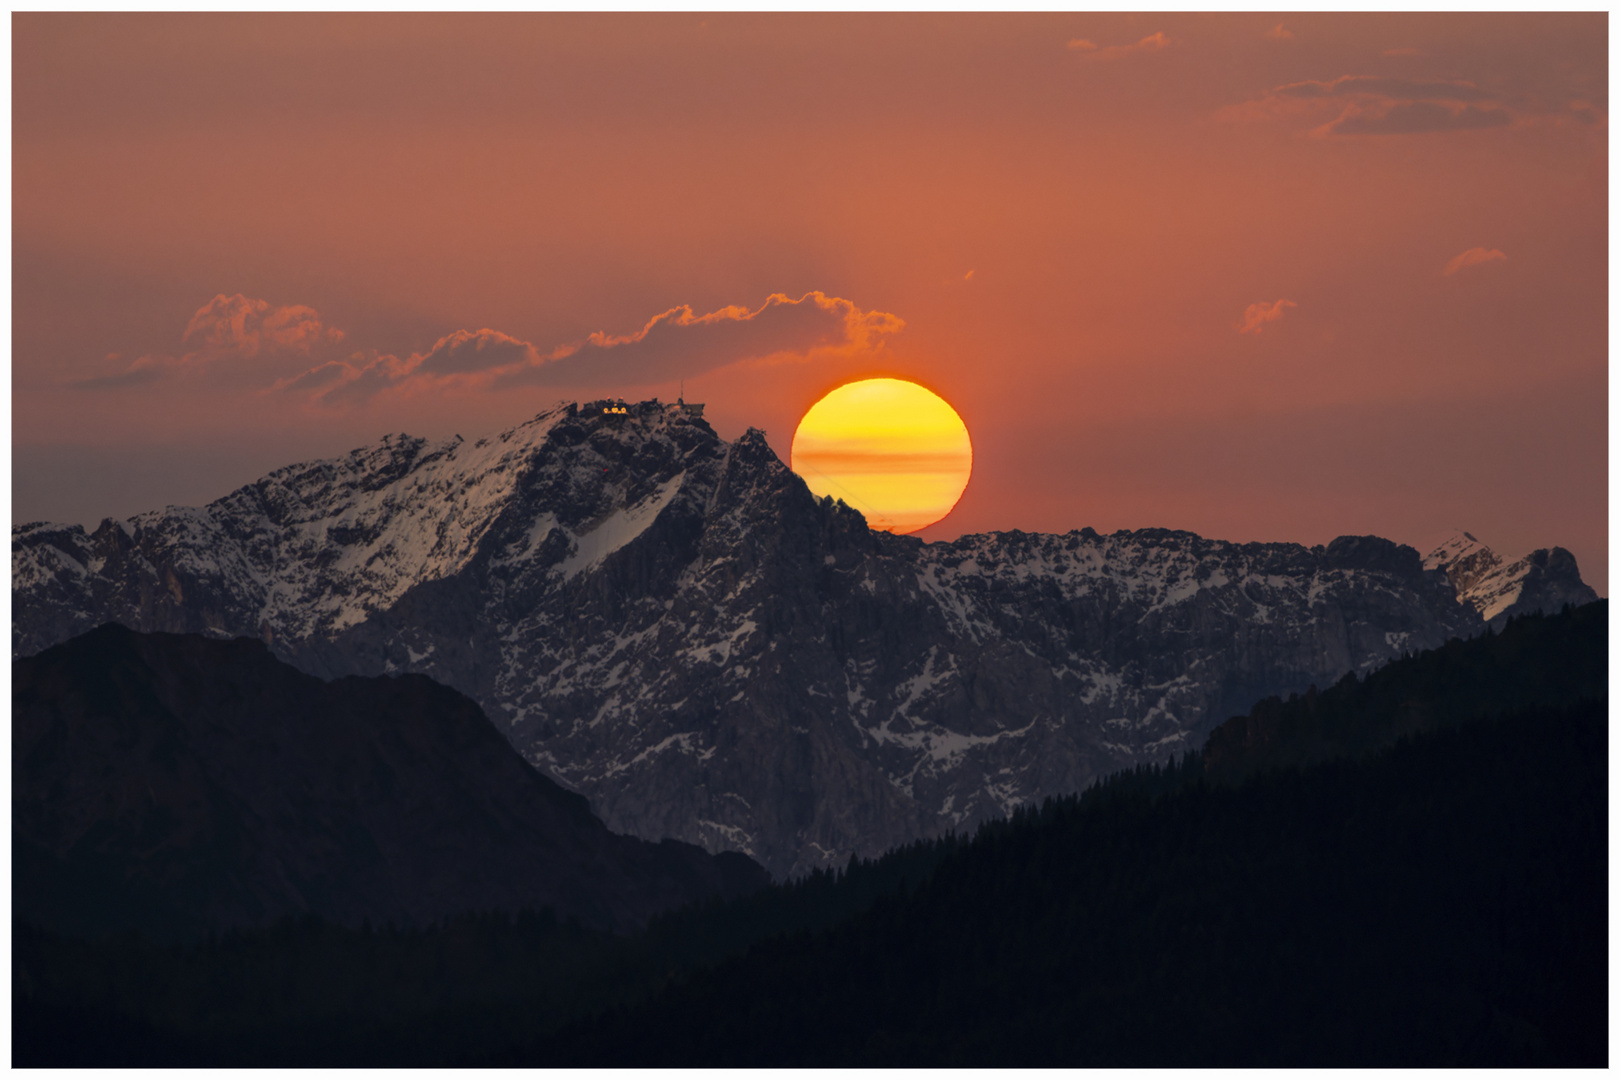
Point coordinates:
[[891, 449]]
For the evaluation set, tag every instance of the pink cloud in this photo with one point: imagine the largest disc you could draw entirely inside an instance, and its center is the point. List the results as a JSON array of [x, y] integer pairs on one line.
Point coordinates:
[[468, 351], [235, 335], [1255, 316], [1385, 87], [1585, 111], [1152, 43], [1277, 33], [243, 326], [1379, 105], [1472, 257], [680, 343], [239, 340], [676, 344]]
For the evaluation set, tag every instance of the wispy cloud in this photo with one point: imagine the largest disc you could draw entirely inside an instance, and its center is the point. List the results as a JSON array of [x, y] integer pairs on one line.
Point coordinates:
[[468, 352], [238, 344], [234, 336], [1585, 111], [237, 324], [678, 343], [1404, 51], [1279, 33], [1092, 51], [1352, 105], [681, 343], [1385, 87], [1255, 316], [1472, 257]]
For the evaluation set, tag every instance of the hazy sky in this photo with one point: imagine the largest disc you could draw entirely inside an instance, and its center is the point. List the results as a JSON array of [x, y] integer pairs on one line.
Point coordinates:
[[1261, 277]]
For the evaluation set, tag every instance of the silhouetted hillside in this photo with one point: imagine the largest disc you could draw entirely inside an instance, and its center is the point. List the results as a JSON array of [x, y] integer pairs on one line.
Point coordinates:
[[1536, 661], [309, 992], [1443, 903], [1439, 901], [178, 785]]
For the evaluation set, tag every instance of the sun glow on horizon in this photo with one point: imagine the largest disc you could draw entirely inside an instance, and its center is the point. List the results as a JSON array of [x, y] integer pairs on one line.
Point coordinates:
[[893, 450]]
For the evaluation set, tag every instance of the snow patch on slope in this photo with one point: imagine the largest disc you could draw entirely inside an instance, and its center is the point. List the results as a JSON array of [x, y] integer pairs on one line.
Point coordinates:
[[617, 529]]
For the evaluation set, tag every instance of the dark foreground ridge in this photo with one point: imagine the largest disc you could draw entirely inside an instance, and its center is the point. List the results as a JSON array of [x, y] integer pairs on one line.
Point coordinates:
[[1441, 901], [1438, 901], [1546, 661], [1442, 904], [178, 786]]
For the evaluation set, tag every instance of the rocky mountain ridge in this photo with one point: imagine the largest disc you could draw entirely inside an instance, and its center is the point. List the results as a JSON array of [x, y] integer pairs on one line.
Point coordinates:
[[1544, 580], [675, 627]]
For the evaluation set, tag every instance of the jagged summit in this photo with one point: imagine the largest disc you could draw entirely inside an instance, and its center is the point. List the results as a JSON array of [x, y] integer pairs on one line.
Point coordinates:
[[314, 548], [1497, 588], [674, 626]]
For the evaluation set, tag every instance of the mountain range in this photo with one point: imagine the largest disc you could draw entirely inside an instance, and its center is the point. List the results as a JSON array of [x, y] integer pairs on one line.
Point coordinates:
[[674, 627]]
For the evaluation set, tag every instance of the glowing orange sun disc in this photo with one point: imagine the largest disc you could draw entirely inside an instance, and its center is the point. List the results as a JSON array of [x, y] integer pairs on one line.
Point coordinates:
[[891, 449]]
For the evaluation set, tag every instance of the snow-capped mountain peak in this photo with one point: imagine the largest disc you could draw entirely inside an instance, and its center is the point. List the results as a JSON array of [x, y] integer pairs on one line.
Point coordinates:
[[1498, 588], [674, 626]]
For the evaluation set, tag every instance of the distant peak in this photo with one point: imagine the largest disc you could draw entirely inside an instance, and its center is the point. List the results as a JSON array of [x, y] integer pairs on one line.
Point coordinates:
[[1457, 546], [1373, 553]]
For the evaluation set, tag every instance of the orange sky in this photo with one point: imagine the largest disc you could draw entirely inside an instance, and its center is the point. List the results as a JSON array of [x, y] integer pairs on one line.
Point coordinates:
[[1262, 277]]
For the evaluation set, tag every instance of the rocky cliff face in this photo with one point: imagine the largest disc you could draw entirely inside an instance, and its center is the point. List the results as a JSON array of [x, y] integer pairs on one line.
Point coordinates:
[[181, 785], [674, 627], [1498, 588]]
